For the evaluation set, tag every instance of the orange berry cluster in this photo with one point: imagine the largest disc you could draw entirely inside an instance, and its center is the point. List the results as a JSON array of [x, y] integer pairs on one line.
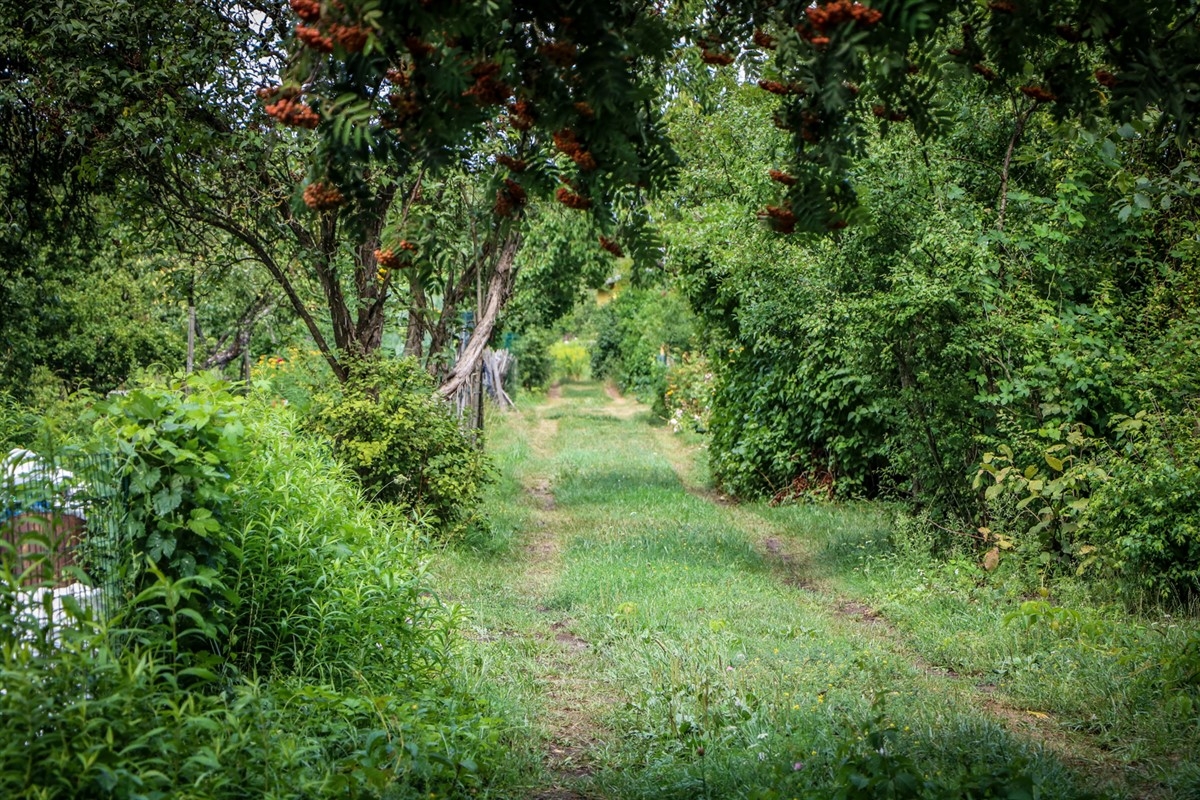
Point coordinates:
[[312, 37], [571, 199], [987, 72], [715, 58], [509, 199], [1105, 78], [1039, 93], [387, 259], [291, 111], [782, 177], [823, 18], [520, 115], [418, 47], [405, 105], [783, 89], [321, 196], [561, 53], [1002, 7], [830, 15], [568, 144], [514, 164], [612, 247], [585, 110], [764, 39], [351, 37], [883, 112], [487, 90], [390, 259], [307, 10], [781, 219]]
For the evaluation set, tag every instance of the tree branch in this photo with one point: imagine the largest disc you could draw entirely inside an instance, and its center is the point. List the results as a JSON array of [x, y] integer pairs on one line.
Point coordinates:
[[1022, 118], [225, 350]]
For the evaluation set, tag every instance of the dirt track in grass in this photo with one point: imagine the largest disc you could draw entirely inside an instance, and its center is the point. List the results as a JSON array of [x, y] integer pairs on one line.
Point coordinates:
[[557, 637]]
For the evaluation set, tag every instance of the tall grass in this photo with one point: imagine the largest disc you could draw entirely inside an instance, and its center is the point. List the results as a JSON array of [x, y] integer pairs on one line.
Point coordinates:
[[332, 673]]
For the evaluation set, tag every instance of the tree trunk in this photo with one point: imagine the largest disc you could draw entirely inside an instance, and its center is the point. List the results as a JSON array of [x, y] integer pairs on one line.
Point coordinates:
[[499, 289]]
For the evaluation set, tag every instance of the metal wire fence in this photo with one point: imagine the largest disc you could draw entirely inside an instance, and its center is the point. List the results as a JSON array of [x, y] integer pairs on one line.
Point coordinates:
[[63, 523]]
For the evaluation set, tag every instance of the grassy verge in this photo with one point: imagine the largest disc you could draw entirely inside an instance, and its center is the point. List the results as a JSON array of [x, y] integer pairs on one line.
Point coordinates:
[[660, 643]]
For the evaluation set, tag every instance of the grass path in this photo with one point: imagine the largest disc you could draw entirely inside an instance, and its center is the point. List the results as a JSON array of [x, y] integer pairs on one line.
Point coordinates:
[[648, 639]]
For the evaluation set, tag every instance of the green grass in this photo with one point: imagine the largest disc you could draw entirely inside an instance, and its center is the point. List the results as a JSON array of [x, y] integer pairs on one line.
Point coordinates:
[[655, 643]]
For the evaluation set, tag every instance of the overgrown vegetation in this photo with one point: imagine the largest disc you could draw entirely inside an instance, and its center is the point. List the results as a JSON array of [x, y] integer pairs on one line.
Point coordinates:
[[404, 444], [669, 646], [276, 635], [945, 336], [985, 325]]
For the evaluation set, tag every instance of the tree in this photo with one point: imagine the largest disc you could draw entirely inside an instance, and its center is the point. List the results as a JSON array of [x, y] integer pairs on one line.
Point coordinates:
[[431, 74]]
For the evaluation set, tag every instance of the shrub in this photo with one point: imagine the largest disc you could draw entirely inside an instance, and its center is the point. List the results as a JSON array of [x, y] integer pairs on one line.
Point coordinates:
[[317, 596], [638, 335], [176, 445], [1145, 519], [689, 393], [402, 442], [569, 360], [532, 351]]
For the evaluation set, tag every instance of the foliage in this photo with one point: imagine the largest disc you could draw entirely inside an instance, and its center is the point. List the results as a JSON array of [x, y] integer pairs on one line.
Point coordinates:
[[835, 68], [560, 261], [638, 335], [328, 668], [82, 317], [404, 444], [962, 314], [689, 393], [175, 452], [1145, 519], [569, 360], [1123, 507], [532, 351]]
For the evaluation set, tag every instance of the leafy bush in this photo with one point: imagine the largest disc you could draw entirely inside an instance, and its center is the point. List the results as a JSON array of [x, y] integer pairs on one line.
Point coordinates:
[[569, 360], [301, 585], [689, 393], [176, 446], [403, 443], [1145, 519], [532, 351], [638, 335], [1126, 506]]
